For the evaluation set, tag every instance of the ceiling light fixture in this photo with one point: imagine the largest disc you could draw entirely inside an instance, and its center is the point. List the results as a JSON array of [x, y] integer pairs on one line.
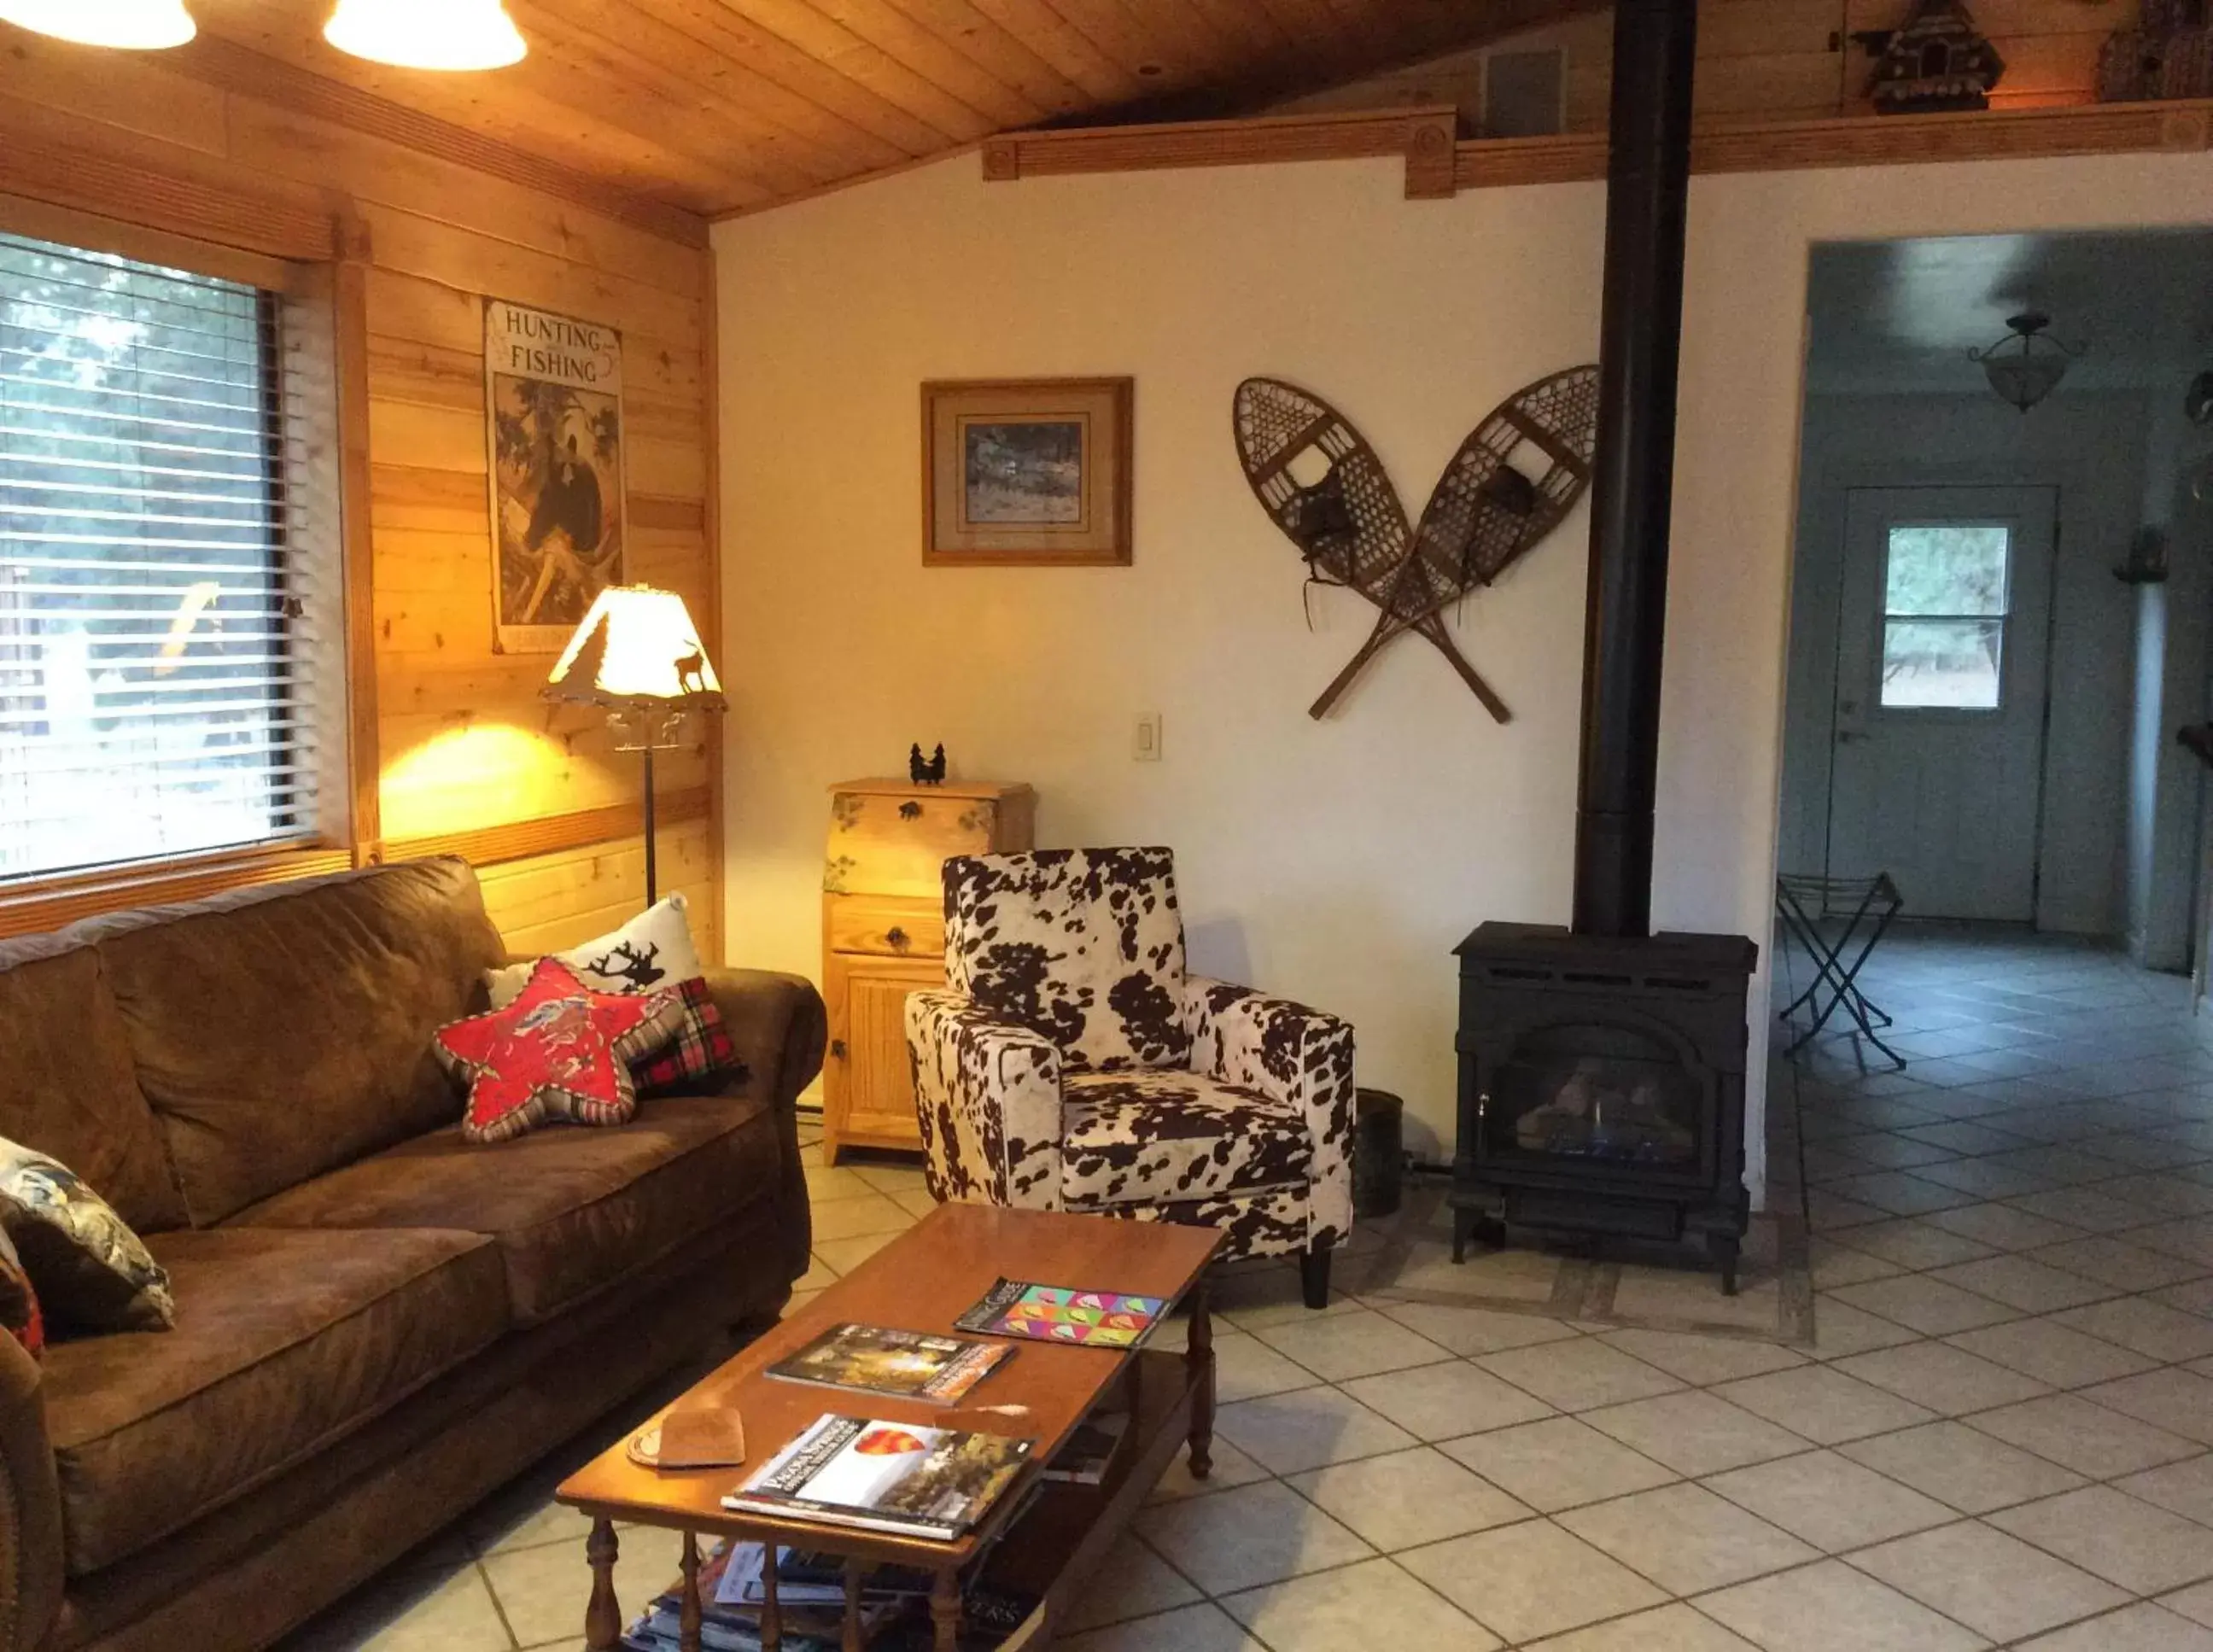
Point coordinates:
[[2028, 365], [136, 25], [442, 35]]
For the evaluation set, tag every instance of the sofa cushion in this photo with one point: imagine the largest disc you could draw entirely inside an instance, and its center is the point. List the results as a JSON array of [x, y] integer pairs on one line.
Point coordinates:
[[572, 1210], [67, 1087], [1143, 1136], [284, 1342], [286, 1033]]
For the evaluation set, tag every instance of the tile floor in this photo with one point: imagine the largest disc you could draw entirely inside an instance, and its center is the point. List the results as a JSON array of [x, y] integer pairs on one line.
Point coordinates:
[[2000, 1437]]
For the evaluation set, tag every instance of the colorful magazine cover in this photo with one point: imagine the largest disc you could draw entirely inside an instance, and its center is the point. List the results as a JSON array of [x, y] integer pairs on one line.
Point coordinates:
[[900, 1478], [875, 1359], [1088, 1318]]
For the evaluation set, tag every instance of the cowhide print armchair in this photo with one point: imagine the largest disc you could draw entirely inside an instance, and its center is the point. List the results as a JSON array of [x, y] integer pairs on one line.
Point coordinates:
[[1072, 1065]]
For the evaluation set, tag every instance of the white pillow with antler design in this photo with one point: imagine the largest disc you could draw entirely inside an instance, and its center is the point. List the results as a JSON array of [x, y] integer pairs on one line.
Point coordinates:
[[652, 951]]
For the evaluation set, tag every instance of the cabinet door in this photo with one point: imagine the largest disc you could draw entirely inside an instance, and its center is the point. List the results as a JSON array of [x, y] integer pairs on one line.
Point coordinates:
[[868, 1088]]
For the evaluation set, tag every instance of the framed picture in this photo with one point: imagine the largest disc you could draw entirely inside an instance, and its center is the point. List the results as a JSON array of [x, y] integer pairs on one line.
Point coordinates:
[[554, 426], [1026, 472]]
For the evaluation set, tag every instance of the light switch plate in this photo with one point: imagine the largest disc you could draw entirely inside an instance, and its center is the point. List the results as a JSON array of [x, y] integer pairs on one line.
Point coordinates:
[[1145, 747]]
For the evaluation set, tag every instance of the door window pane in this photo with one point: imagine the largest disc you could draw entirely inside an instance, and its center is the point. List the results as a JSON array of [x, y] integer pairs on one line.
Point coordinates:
[[1946, 592]]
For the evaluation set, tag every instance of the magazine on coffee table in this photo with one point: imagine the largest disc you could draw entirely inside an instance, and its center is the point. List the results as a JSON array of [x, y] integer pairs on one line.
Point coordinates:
[[1088, 1318], [902, 1478], [875, 1359]]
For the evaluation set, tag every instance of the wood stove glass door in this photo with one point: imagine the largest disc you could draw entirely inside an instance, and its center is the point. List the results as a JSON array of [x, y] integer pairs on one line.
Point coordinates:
[[1937, 756]]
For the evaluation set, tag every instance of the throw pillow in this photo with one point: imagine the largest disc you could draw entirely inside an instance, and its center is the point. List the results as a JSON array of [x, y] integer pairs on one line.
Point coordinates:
[[19, 1301], [559, 1051], [653, 951], [89, 1271]]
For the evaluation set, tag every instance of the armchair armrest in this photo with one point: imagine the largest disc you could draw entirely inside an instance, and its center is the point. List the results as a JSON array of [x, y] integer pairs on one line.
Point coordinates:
[[987, 1097], [30, 1506], [1295, 1057]]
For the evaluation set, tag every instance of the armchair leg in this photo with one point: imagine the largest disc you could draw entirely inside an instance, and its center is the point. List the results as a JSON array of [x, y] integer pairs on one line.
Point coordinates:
[[1314, 1276]]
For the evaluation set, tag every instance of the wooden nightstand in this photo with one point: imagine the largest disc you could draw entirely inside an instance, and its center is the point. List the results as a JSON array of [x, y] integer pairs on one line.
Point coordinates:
[[883, 936]]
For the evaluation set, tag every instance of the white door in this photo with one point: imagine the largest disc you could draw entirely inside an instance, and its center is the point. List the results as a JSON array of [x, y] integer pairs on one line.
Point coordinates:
[[1937, 762]]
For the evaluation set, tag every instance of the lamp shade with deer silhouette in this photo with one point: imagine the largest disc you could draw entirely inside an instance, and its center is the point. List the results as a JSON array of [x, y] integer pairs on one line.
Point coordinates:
[[638, 654]]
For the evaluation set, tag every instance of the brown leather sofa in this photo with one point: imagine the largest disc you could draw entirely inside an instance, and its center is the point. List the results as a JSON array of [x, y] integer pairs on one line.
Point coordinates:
[[377, 1323]]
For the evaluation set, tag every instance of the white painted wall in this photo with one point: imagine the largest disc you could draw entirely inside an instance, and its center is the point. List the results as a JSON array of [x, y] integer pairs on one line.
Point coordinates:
[[1338, 861], [2089, 447]]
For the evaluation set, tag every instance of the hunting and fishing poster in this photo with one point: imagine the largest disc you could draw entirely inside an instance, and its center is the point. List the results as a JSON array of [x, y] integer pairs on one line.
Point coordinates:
[[553, 405]]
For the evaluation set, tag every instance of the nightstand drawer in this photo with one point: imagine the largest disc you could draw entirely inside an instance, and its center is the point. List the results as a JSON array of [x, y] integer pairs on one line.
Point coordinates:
[[886, 928], [896, 842]]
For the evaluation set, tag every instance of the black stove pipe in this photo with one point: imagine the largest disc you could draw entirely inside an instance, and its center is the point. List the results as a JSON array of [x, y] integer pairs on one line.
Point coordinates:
[[1632, 491]]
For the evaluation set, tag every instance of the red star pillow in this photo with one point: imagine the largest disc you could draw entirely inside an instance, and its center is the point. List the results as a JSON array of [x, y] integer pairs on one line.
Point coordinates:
[[558, 1050]]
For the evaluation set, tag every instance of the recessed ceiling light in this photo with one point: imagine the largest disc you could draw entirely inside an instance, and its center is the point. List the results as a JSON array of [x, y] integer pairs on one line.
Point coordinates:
[[443, 34], [137, 25]]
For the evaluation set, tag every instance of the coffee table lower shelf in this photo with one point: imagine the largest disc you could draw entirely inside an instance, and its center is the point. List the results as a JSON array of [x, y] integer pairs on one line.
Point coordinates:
[[1051, 1550]]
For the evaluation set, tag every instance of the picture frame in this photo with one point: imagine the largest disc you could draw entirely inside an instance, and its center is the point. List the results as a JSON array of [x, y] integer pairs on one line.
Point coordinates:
[[1026, 472], [554, 439]]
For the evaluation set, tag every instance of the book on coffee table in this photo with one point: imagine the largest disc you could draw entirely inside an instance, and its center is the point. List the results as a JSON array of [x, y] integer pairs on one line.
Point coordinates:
[[875, 1359], [1088, 1318], [902, 1478]]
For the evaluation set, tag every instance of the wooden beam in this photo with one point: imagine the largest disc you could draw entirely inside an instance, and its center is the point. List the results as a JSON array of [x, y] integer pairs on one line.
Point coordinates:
[[520, 839], [239, 70], [1335, 136]]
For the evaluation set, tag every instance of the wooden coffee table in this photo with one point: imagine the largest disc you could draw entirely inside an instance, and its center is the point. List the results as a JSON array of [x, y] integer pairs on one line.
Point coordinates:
[[920, 1282]]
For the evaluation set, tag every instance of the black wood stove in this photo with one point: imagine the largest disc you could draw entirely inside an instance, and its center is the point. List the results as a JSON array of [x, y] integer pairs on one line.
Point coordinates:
[[1601, 1067]]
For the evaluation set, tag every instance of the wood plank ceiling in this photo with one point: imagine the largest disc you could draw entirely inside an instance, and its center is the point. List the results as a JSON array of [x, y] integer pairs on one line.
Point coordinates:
[[712, 107]]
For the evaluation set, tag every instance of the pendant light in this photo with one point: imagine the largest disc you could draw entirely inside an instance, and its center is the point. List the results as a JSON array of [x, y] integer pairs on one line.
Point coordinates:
[[2028, 365], [445, 35], [137, 25]]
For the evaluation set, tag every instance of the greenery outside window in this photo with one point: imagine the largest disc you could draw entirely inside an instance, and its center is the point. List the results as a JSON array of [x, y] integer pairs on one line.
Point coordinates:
[[1948, 595]]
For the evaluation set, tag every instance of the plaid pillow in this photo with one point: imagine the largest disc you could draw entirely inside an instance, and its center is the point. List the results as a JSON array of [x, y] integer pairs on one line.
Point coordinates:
[[701, 1048]]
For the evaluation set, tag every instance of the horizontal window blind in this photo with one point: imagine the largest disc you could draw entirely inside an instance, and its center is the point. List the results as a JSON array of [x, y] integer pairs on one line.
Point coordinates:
[[153, 698]]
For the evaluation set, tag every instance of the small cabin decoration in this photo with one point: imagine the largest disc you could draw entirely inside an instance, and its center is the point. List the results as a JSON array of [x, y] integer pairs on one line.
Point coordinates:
[[1940, 60], [2169, 54]]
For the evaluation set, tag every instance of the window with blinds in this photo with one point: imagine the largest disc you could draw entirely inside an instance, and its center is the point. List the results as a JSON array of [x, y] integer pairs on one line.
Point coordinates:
[[152, 687]]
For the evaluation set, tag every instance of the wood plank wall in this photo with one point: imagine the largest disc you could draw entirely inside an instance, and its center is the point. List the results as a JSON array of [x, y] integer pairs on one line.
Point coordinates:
[[464, 743], [1771, 59]]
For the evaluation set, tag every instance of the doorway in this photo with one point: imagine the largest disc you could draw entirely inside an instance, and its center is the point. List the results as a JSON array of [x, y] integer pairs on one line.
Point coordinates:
[[1941, 688]]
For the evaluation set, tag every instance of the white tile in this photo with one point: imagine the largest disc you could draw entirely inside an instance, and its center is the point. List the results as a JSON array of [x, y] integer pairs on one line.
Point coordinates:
[[2143, 1549], [1676, 1628], [1245, 1368], [866, 1213], [2052, 1352], [2018, 1281], [1339, 1346], [846, 1254], [1832, 1263], [1822, 1404], [1285, 1433], [891, 1178], [413, 1611], [1558, 1463], [1840, 1329], [1442, 1402], [1831, 1502], [1475, 1330], [2185, 1488], [1948, 1380], [1685, 1539], [1829, 1608], [2195, 1603], [1529, 1580], [2181, 1402], [543, 1590], [1355, 1609], [1408, 1498], [1228, 1468], [2072, 1432], [1578, 1375], [1694, 1433], [2115, 1262], [1132, 1581], [1700, 1360], [1240, 1539], [1922, 1303], [1202, 1628], [1994, 1584], [1959, 1466], [2002, 1226], [2143, 1627], [1911, 1243]]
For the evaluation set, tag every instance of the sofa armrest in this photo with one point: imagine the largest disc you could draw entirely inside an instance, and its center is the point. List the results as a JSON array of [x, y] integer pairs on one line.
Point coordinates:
[[1297, 1058], [30, 1506], [987, 1099], [781, 1028]]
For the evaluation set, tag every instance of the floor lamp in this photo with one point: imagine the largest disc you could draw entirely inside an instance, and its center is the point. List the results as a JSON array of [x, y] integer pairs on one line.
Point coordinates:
[[638, 655]]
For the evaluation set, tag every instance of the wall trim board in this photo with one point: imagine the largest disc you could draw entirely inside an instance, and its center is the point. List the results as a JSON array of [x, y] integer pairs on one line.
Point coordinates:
[[1419, 135], [236, 68], [549, 834], [54, 903]]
